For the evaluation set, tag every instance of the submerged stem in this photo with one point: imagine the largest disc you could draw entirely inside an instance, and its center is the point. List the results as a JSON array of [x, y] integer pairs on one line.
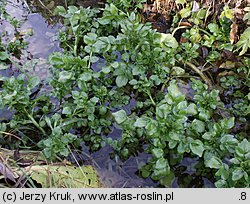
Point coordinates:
[[205, 79]]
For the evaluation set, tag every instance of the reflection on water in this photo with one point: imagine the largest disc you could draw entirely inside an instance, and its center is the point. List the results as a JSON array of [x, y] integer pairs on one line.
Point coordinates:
[[41, 44]]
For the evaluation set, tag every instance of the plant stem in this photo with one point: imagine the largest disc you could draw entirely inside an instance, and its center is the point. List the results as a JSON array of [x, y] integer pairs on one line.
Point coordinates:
[[181, 27], [9, 134], [76, 45], [150, 96], [204, 31], [34, 122], [205, 79], [89, 65]]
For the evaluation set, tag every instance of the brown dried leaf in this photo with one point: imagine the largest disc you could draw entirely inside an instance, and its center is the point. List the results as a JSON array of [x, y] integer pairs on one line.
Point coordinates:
[[233, 33], [227, 65], [64, 176], [226, 73], [183, 40], [239, 13], [185, 24]]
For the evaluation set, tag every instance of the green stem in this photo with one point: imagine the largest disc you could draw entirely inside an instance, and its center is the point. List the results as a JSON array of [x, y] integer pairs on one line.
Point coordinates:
[[76, 45], [150, 96], [181, 27], [205, 79], [90, 59], [34, 122], [204, 31]]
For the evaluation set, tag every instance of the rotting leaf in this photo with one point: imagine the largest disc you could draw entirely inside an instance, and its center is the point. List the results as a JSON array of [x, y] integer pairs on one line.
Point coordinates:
[[64, 176], [233, 32]]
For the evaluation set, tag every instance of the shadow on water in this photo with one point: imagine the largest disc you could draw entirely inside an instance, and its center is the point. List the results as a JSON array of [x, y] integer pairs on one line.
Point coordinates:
[[37, 16]]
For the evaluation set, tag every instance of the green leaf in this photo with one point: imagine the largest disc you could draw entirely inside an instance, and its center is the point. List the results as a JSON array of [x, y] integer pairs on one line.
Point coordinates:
[[86, 76], [3, 66], [227, 123], [177, 71], [237, 174], [157, 152], [120, 116], [134, 82], [64, 151], [168, 40], [214, 28], [220, 183], [181, 148], [192, 109], [3, 56], [33, 82], [174, 136], [9, 97], [65, 76], [106, 70], [180, 2], [60, 10], [56, 58], [244, 42], [132, 17], [168, 179], [121, 80], [235, 161], [197, 147], [174, 91], [68, 137], [185, 12], [243, 148], [115, 64], [214, 163], [66, 110], [90, 38], [141, 122], [161, 163], [145, 171], [228, 142], [198, 125], [162, 111], [204, 115], [113, 9], [172, 144], [208, 135], [227, 12], [152, 127]]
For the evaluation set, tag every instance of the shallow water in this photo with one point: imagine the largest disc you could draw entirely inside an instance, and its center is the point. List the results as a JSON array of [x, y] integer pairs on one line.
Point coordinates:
[[40, 45]]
